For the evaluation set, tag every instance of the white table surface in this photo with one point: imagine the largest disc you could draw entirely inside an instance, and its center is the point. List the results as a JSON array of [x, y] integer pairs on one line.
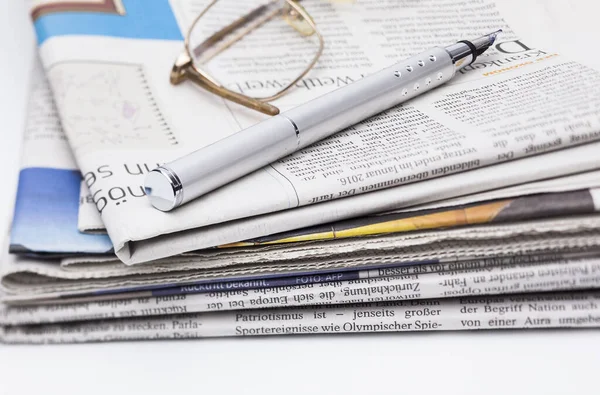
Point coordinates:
[[545, 362]]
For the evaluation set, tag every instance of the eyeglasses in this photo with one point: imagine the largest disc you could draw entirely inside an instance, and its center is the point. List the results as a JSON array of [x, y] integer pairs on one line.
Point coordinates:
[[273, 42]]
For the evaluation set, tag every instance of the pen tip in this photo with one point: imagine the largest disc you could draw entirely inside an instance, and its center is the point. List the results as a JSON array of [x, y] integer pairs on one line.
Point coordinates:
[[481, 44], [492, 36]]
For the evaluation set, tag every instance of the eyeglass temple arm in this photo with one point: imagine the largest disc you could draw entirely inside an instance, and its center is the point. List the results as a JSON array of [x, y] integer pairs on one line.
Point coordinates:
[[218, 36], [243, 20], [182, 69]]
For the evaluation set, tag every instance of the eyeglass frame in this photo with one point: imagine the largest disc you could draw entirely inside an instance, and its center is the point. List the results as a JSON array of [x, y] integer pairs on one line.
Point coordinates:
[[185, 69]]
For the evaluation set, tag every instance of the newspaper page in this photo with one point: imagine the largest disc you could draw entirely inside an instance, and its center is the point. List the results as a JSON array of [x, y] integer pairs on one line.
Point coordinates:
[[516, 101], [560, 196], [524, 311], [567, 161], [44, 123], [46, 208], [375, 285]]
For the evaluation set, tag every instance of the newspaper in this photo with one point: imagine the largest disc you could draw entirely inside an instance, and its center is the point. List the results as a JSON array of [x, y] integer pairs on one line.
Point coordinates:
[[43, 222], [90, 221], [29, 278], [523, 208], [375, 285], [520, 101], [553, 310], [25, 278], [567, 161]]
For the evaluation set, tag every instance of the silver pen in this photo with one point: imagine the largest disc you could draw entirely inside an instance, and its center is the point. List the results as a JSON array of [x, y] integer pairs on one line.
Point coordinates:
[[209, 168]]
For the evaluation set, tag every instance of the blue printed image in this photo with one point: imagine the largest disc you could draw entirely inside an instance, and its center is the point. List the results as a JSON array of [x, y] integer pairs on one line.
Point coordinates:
[[45, 217], [143, 19]]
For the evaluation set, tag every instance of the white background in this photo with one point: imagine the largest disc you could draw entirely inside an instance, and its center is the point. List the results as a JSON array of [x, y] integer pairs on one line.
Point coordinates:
[[545, 362]]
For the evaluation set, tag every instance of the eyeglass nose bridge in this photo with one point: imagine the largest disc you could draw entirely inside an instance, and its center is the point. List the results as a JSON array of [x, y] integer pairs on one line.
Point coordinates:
[[180, 70]]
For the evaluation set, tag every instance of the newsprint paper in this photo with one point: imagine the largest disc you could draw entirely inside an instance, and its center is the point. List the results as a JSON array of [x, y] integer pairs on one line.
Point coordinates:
[[520, 116], [555, 310], [47, 155], [109, 78], [484, 277], [26, 278]]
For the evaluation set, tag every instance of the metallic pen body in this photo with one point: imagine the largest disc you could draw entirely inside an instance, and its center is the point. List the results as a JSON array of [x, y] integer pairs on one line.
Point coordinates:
[[202, 171]]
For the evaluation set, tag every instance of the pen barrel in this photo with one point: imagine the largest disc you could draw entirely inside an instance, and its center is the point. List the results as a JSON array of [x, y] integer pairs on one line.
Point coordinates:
[[233, 157], [353, 103], [216, 165]]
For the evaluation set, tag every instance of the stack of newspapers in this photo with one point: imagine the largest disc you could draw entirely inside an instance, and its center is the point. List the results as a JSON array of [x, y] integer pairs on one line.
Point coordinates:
[[474, 206]]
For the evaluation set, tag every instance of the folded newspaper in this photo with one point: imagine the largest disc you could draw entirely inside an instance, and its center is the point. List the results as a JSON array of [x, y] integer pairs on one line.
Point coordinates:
[[109, 69], [476, 207], [568, 310]]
